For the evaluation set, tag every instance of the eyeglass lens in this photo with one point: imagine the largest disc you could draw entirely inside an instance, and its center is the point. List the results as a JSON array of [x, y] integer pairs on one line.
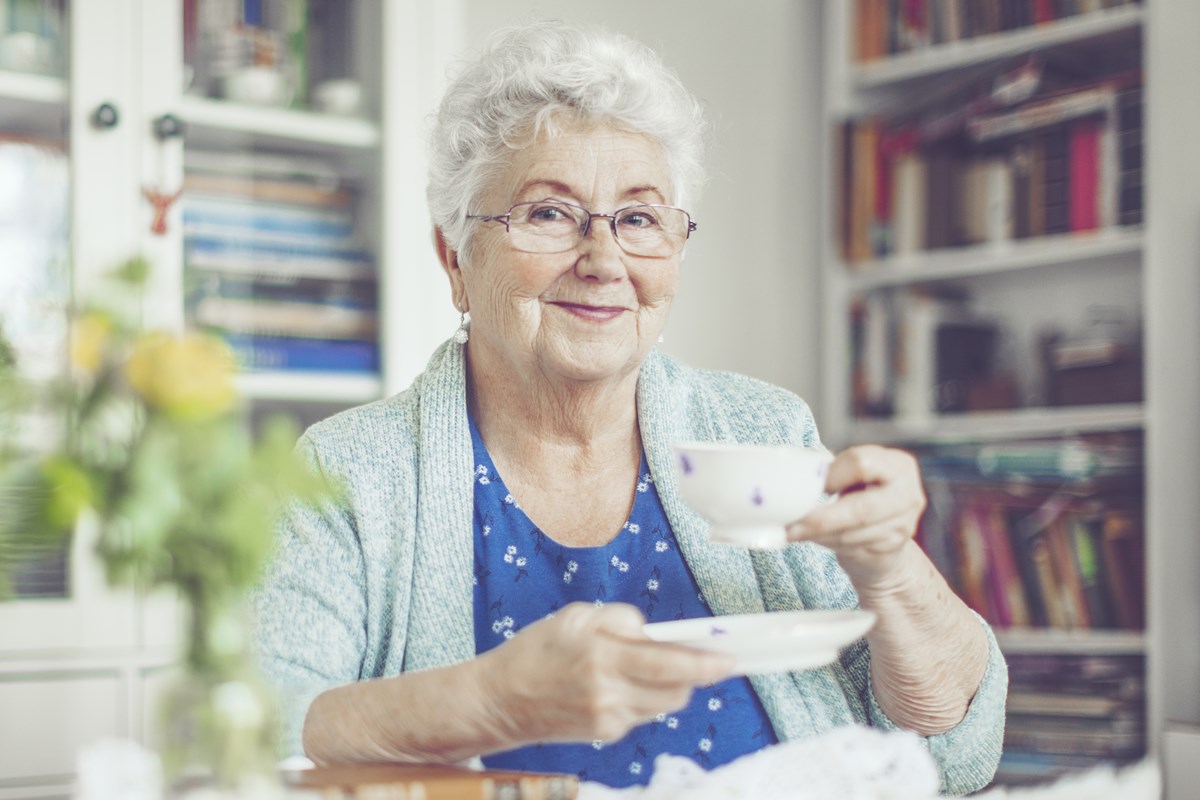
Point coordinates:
[[554, 227]]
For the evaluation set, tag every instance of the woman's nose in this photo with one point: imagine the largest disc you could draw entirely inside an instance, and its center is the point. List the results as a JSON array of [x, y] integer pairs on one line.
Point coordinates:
[[601, 256]]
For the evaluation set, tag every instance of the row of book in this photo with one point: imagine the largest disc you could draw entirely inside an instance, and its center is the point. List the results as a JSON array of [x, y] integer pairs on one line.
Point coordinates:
[[274, 263], [888, 27], [1050, 536], [272, 52], [1069, 712], [990, 170], [918, 352]]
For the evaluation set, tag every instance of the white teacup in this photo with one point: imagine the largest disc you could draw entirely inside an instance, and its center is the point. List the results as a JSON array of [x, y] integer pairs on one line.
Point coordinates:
[[750, 492]]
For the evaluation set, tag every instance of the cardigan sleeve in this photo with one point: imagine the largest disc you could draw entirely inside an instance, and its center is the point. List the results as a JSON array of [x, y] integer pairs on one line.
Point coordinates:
[[966, 755], [309, 609]]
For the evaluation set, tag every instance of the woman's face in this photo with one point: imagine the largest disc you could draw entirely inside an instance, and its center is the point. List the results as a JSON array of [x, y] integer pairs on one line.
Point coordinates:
[[590, 313]]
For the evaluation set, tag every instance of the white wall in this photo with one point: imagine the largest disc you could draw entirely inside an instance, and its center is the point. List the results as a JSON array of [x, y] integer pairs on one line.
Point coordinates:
[[748, 301]]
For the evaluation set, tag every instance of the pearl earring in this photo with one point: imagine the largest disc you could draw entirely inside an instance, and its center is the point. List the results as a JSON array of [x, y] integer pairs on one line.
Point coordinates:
[[461, 335]]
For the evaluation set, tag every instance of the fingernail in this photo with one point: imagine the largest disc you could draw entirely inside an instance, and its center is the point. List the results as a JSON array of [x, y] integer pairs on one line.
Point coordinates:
[[797, 530]]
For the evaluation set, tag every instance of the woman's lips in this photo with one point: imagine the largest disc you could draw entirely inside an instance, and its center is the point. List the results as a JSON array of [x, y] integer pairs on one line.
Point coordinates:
[[597, 313]]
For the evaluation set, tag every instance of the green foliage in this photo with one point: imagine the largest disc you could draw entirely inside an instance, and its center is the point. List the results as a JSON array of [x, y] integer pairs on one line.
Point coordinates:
[[184, 500]]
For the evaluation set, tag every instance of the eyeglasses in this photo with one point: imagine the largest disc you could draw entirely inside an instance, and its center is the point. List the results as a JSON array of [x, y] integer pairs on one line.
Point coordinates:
[[552, 226]]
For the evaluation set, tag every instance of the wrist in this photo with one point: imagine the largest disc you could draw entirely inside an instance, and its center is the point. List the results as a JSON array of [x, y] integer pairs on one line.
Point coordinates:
[[909, 573], [493, 688]]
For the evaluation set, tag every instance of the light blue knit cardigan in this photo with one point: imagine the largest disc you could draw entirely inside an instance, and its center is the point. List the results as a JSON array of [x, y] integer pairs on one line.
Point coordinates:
[[382, 583]]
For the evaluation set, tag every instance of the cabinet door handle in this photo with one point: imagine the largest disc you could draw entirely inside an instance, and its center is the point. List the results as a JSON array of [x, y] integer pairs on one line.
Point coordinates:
[[168, 126], [105, 116]]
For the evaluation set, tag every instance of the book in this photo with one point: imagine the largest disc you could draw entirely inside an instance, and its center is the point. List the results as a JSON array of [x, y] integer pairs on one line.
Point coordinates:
[[1084, 151], [429, 782], [204, 215], [344, 293], [257, 353], [283, 318], [271, 190], [1059, 703]]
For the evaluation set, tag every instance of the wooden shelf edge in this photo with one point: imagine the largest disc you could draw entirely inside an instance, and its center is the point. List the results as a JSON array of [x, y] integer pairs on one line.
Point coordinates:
[[999, 425], [940, 58], [1080, 642], [995, 259], [279, 123]]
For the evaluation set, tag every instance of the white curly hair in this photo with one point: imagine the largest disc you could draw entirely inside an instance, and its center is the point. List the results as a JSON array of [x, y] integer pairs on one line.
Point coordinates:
[[533, 77]]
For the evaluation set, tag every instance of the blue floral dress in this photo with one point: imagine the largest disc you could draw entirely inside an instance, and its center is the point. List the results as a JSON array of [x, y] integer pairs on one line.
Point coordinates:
[[521, 575]]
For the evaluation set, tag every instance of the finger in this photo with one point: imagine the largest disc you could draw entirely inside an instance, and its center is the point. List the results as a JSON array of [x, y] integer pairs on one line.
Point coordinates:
[[857, 510], [664, 665], [886, 537], [621, 620], [867, 465]]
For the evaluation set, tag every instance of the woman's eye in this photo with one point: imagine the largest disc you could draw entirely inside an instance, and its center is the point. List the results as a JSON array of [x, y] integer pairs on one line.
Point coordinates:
[[637, 219], [548, 214]]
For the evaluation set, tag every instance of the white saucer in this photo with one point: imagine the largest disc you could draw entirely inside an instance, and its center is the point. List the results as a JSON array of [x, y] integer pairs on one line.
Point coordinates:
[[780, 641]]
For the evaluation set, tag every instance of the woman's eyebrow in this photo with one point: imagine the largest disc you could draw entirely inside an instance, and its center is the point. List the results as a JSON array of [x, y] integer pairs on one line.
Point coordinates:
[[555, 186]]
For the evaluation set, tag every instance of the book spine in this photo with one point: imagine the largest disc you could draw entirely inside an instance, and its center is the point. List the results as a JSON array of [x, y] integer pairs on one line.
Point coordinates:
[[1084, 155], [287, 354]]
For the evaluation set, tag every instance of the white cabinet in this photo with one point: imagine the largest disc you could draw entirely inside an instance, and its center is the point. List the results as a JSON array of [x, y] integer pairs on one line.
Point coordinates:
[[85, 662]]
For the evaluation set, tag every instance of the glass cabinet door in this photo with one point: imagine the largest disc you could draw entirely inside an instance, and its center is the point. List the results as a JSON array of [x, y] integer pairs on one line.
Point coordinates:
[[265, 121], [65, 105]]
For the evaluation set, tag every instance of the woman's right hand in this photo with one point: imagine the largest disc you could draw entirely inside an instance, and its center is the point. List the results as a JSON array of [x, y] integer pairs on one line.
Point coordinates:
[[588, 673]]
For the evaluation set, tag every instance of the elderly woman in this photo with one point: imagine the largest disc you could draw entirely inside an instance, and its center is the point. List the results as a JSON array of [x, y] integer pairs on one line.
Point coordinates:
[[512, 520]]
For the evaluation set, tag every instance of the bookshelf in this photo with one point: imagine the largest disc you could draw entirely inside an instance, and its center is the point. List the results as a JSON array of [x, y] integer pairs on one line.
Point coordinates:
[[88, 661], [985, 49], [1145, 270]]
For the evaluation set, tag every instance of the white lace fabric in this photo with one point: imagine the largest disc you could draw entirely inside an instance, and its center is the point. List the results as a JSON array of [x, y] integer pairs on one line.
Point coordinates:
[[855, 763]]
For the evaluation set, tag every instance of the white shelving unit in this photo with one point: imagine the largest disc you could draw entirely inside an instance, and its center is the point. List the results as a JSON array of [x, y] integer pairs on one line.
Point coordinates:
[[1157, 263], [90, 665]]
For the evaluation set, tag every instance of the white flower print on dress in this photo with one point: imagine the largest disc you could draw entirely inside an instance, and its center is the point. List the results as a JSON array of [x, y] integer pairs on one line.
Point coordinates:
[[481, 474], [623, 566], [661, 546], [503, 626], [567, 577], [714, 704], [634, 527], [705, 745], [510, 553], [486, 530], [660, 718], [652, 584], [521, 561], [512, 501], [597, 744], [635, 768], [572, 566], [598, 603], [672, 722], [614, 561]]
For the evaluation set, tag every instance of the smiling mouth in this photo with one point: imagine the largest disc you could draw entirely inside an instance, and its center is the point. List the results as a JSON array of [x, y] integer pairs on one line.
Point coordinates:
[[591, 312]]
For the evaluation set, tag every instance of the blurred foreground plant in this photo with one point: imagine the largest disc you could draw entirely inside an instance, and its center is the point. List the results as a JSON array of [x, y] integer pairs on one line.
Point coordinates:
[[153, 454]]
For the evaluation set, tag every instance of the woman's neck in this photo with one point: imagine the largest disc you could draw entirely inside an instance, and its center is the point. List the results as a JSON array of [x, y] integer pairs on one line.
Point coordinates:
[[529, 418]]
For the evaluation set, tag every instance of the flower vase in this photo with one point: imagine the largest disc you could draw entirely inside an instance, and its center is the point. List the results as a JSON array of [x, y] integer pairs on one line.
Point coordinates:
[[218, 721]]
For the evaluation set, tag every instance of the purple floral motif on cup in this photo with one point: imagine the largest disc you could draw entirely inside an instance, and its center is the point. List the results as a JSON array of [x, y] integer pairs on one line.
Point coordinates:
[[685, 463], [717, 630], [757, 497], [822, 469]]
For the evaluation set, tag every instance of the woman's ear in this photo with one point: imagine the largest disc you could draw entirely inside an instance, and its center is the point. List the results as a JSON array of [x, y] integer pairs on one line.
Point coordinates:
[[448, 257]]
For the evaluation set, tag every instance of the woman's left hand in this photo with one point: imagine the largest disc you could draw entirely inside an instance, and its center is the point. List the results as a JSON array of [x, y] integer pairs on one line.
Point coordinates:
[[873, 519]]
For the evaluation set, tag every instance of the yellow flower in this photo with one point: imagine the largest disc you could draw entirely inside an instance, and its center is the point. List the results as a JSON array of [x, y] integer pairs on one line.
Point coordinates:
[[189, 376], [89, 338], [69, 491]]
